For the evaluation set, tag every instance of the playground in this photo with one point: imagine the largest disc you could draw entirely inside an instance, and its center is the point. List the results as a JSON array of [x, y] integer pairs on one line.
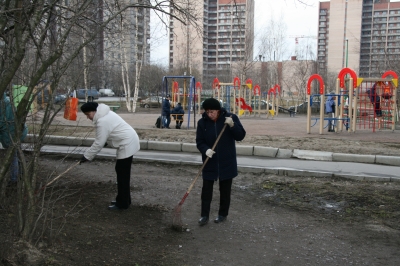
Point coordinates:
[[359, 103]]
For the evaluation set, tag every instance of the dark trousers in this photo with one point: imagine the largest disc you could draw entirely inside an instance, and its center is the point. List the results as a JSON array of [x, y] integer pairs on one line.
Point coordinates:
[[224, 200], [123, 169], [178, 124]]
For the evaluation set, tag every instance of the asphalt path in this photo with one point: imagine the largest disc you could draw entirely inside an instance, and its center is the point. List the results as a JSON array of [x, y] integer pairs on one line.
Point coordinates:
[[107, 99], [256, 164]]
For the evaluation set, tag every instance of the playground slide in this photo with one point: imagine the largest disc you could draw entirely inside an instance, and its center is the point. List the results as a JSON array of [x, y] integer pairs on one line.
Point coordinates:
[[243, 105]]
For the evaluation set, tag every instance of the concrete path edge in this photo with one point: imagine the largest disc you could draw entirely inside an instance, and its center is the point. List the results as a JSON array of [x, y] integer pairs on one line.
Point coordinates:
[[240, 149]]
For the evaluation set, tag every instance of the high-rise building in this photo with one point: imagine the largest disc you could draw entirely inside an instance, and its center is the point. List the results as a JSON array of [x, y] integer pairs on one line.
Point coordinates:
[[360, 34], [223, 38], [127, 37]]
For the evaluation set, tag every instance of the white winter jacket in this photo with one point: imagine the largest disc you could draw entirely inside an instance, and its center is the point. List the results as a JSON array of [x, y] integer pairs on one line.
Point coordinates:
[[111, 128]]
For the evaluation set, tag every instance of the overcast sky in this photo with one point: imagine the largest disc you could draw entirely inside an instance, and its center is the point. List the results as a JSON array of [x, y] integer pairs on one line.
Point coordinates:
[[300, 20]]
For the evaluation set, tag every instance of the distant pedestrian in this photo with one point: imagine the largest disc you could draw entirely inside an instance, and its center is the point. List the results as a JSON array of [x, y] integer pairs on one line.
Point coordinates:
[[166, 111], [7, 133], [222, 163], [113, 131], [330, 110], [373, 94]]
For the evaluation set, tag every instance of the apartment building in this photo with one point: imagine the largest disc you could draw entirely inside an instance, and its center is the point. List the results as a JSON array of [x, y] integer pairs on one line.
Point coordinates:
[[224, 37], [360, 34], [126, 37]]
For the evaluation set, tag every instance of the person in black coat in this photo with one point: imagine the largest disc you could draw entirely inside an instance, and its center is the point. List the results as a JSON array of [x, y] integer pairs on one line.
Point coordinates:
[[373, 95], [222, 163], [166, 111], [178, 110]]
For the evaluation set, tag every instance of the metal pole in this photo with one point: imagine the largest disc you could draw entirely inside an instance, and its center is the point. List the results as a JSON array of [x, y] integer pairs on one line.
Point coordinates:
[[347, 52]]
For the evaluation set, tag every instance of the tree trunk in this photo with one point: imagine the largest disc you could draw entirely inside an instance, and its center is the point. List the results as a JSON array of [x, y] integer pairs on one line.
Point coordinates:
[[139, 61]]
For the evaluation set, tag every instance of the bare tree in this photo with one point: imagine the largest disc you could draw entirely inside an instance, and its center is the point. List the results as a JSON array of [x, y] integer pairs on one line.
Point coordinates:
[[297, 72], [151, 79], [273, 45], [46, 36], [140, 58]]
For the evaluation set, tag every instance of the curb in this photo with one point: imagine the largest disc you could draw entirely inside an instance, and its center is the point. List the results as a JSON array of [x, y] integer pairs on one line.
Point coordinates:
[[245, 150], [280, 171]]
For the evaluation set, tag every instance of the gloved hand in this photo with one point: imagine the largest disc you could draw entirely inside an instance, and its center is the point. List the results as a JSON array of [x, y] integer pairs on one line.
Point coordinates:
[[210, 153], [229, 121], [83, 159]]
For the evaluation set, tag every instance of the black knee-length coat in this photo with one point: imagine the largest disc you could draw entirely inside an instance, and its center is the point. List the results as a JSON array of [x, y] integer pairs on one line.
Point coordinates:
[[223, 164]]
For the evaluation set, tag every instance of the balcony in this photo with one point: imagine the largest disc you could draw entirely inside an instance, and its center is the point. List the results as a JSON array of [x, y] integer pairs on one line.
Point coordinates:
[[368, 3]]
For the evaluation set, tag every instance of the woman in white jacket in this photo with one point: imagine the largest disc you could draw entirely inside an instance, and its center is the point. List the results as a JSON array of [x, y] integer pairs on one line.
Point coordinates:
[[113, 131]]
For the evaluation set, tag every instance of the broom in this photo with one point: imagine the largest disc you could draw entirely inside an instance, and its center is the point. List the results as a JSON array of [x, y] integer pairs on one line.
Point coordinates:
[[176, 216], [60, 175], [55, 179]]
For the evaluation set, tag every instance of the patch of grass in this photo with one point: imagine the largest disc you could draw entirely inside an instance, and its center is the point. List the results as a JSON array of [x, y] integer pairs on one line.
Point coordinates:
[[340, 199]]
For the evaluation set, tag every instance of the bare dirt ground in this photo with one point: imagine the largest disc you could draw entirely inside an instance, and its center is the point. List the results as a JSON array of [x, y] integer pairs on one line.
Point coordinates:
[[274, 220]]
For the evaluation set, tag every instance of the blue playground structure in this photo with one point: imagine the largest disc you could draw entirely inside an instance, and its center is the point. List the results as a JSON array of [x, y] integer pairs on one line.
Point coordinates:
[[190, 95]]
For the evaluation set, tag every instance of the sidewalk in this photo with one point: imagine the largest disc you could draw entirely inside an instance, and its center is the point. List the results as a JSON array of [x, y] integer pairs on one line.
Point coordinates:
[[257, 158], [254, 164]]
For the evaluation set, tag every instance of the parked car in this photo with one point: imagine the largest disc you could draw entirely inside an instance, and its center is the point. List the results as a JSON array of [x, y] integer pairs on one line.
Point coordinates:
[[263, 105], [92, 94], [57, 98], [302, 108], [106, 92], [151, 102]]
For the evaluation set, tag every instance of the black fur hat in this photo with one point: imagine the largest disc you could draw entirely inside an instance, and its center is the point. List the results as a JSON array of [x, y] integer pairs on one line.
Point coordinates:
[[211, 104], [89, 106]]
